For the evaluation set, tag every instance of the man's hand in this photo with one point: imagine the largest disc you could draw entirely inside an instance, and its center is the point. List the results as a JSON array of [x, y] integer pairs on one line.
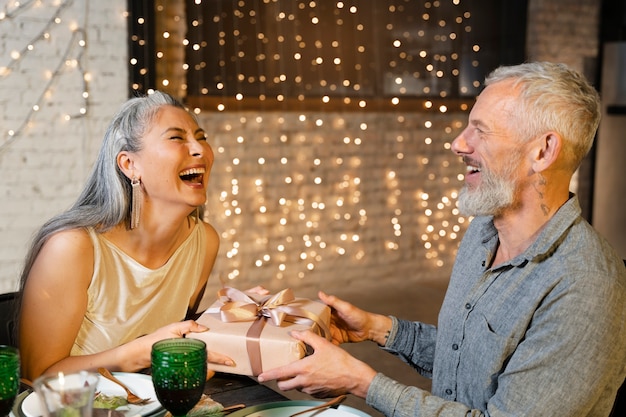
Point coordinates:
[[330, 371], [351, 324]]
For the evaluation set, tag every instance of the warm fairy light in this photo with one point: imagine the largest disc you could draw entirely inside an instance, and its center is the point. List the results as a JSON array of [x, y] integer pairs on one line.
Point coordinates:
[[229, 54], [69, 34], [297, 184]]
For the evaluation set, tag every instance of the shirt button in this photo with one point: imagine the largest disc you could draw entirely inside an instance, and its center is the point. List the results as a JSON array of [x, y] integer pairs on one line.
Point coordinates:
[[455, 347], [449, 391], [483, 263], [468, 306]]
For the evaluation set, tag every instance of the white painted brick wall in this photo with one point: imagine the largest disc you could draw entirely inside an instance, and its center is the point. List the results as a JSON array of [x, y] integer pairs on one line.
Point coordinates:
[[364, 173], [43, 169], [563, 31]]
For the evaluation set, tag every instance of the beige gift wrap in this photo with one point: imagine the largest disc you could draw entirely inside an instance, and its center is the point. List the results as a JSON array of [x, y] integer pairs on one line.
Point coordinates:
[[253, 330]]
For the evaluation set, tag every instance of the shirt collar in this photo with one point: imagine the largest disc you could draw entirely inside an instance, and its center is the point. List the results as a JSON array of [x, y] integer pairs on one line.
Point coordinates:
[[552, 232]]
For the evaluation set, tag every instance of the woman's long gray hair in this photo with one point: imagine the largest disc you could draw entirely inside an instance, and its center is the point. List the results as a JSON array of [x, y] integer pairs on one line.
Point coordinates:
[[105, 199]]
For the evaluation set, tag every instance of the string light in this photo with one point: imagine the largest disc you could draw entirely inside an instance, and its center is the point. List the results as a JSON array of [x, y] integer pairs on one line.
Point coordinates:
[[69, 61], [269, 54], [294, 188], [294, 204]]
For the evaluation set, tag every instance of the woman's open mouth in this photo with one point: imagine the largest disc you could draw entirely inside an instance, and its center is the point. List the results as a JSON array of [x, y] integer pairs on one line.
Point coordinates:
[[193, 175]]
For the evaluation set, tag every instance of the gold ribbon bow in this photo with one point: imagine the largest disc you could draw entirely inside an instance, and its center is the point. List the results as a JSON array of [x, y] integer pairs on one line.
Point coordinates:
[[282, 307]]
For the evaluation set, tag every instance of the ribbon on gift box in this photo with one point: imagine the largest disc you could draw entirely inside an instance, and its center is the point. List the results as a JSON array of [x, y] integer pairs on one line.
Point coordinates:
[[282, 307]]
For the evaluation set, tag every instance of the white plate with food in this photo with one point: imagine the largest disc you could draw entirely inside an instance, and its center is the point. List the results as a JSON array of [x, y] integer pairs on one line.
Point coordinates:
[[140, 384]]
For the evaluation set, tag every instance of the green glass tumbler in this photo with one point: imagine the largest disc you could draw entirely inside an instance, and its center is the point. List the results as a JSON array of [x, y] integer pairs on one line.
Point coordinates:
[[179, 371], [9, 377]]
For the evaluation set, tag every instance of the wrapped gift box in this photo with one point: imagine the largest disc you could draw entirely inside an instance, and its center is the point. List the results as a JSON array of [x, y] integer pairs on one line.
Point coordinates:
[[254, 330]]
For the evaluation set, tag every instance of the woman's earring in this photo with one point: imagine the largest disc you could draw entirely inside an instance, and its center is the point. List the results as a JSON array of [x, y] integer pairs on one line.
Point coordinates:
[[135, 204]]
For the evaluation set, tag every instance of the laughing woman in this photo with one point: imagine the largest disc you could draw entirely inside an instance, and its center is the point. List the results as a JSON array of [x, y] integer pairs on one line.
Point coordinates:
[[130, 259]]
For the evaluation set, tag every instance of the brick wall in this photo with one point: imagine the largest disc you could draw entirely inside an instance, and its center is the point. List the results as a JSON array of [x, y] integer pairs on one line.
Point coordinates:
[[563, 31], [306, 206], [346, 206], [385, 259], [43, 168]]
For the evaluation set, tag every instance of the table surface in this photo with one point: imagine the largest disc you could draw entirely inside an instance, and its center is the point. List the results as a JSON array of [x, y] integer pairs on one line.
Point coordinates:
[[230, 389]]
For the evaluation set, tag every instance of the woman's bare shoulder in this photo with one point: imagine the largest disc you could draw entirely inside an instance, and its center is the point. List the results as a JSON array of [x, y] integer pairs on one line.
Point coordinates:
[[70, 251], [69, 240]]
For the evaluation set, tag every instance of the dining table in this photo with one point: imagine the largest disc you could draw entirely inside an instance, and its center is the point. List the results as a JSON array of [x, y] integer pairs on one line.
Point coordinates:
[[240, 394], [230, 389], [226, 389]]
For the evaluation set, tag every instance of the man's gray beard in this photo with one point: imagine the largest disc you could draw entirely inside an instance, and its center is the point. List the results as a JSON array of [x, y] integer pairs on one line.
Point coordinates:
[[493, 195]]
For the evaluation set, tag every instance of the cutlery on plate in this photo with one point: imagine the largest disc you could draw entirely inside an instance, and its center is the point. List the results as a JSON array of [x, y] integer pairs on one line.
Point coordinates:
[[334, 403], [232, 408], [131, 397]]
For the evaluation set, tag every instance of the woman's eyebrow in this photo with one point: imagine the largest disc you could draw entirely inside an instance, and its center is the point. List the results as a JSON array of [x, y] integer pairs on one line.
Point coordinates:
[[173, 129], [181, 130]]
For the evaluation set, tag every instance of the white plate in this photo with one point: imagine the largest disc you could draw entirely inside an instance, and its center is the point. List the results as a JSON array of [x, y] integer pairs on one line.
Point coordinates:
[[287, 408], [140, 384]]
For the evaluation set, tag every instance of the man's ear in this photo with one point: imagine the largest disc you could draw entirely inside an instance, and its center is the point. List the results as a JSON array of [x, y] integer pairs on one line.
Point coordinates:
[[546, 150], [126, 164]]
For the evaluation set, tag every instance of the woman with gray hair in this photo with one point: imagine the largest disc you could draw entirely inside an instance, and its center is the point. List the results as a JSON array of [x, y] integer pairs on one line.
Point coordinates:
[[130, 259]]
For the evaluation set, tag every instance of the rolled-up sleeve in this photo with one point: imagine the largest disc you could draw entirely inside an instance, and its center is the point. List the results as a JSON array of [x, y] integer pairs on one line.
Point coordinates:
[[414, 343]]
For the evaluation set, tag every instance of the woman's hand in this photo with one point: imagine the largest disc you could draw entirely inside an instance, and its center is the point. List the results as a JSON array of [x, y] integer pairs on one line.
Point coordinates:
[[182, 329]]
